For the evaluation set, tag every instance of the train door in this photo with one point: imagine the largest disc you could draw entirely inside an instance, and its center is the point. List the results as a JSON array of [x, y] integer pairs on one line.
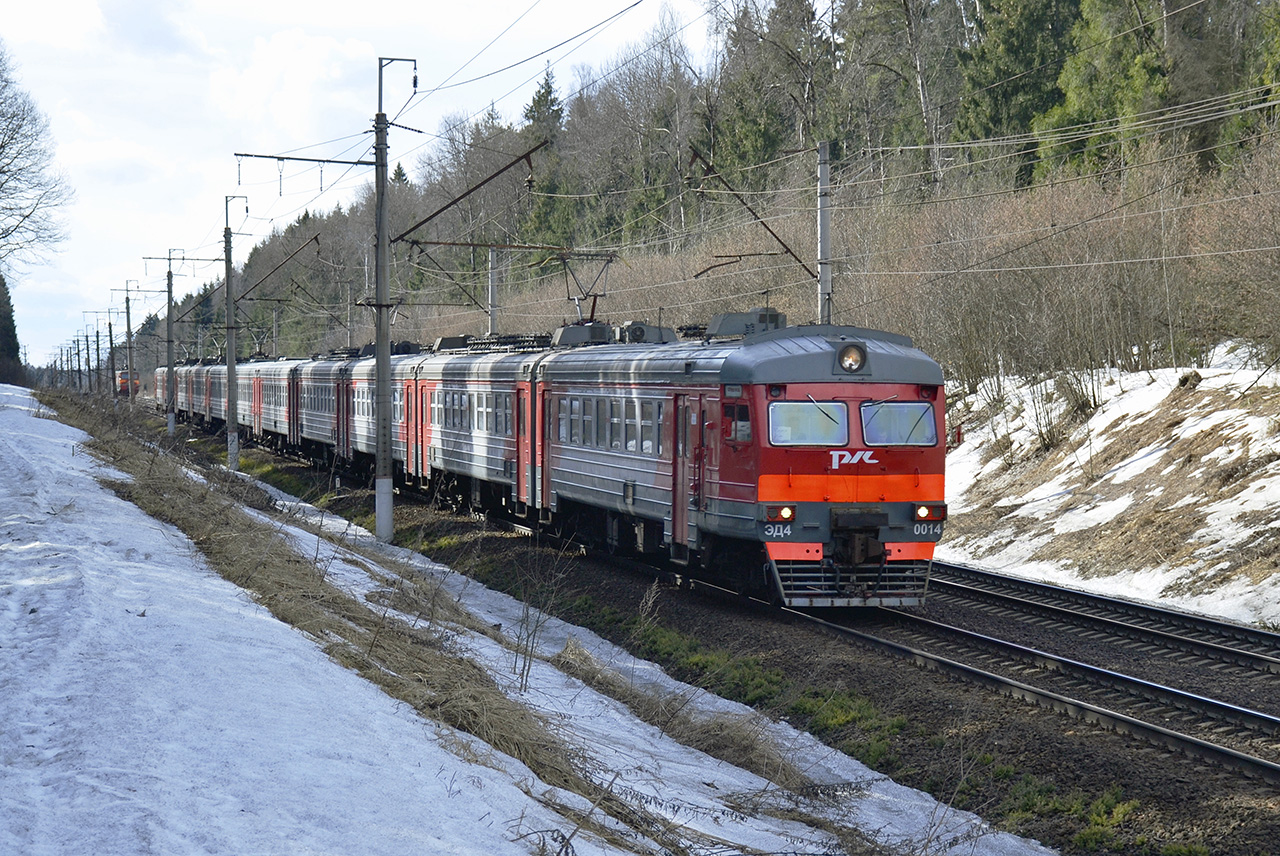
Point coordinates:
[[524, 446], [686, 468], [293, 416], [256, 404], [542, 426], [410, 430], [428, 416], [343, 398]]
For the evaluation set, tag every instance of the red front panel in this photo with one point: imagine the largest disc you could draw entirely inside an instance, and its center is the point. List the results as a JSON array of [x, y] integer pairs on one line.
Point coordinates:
[[854, 471]]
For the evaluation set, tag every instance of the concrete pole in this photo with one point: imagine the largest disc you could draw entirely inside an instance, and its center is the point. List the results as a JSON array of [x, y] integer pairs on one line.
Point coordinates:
[[382, 482], [493, 291], [233, 400], [97, 363], [383, 509], [111, 358], [170, 385], [824, 232], [128, 341]]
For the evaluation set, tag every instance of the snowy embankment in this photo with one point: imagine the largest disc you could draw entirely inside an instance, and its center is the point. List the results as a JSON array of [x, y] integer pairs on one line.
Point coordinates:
[[1168, 491], [149, 706]]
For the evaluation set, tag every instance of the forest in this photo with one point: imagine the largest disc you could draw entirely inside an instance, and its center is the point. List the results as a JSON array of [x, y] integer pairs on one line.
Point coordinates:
[[1034, 187]]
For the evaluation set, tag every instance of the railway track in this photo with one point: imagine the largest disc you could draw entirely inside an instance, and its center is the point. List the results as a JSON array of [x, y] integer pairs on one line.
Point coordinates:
[[1210, 726], [1249, 647], [1202, 726]]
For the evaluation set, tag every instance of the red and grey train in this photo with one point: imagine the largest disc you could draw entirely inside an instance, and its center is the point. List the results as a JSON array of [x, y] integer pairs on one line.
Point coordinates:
[[801, 464]]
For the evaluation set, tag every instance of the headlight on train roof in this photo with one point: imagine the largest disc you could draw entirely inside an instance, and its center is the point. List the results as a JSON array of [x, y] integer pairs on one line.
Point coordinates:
[[852, 358]]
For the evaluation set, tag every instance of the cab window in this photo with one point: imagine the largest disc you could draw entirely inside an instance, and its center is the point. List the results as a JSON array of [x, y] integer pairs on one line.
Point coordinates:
[[898, 423], [808, 423]]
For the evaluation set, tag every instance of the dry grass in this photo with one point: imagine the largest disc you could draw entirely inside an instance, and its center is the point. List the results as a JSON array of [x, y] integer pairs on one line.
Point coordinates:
[[738, 740], [410, 661], [400, 637]]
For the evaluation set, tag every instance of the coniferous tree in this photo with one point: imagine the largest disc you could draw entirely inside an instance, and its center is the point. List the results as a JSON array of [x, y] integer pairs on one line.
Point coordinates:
[[544, 114], [752, 122], [1118, 72], [11, 369], [1011, 73]]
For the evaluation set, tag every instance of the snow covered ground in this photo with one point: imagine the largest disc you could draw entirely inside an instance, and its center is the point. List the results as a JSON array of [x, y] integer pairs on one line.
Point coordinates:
[[1169, 492], [147, 706]]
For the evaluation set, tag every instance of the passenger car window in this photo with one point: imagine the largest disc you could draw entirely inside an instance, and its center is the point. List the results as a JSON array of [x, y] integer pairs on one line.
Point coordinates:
[[898, 423], [808, 423], [615, 424], [631, 424]]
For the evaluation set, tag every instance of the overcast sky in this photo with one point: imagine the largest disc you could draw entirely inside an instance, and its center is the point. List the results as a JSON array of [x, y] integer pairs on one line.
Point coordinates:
[[149, 101]]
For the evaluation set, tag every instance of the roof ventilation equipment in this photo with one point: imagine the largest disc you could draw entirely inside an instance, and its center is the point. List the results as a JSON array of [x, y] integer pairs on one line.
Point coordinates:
[[639, 331], [591, 333], [451, 343], [749, 323]]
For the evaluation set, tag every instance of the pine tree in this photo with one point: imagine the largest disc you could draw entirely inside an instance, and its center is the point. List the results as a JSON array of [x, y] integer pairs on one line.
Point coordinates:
[[11, 368], [1011, 74], [545, 113], [1119, 71]]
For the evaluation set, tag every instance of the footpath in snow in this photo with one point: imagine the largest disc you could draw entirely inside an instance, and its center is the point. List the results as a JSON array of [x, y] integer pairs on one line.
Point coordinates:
[[147, 706]]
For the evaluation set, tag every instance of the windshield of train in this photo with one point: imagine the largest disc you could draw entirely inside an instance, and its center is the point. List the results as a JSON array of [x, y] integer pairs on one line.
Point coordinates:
[[808, 423], [898, 423]]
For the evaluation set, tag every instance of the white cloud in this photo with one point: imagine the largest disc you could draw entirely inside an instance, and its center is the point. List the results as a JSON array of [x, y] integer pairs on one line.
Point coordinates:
[[69, 25], [296, 82]]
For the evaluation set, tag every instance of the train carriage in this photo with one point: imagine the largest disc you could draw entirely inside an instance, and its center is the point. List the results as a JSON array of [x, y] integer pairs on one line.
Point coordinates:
[[270, 401], [812, 454], [322, 430], [464, 421], [801, 464]]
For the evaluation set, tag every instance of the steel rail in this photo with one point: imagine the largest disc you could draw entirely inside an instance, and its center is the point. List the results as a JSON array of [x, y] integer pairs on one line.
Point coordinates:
[[1205, 624], [1225, 653], [1180, 699], [1119, 722]]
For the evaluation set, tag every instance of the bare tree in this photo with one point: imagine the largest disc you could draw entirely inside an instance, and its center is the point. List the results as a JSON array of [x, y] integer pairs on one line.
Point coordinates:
[[31, 190]]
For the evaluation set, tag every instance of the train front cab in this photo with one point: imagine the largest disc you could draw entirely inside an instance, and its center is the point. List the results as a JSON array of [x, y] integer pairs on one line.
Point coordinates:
[[850, 492], [847, 465]]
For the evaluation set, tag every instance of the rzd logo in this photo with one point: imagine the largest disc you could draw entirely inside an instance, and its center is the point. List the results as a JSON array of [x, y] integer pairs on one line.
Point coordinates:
[[839, 457]]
